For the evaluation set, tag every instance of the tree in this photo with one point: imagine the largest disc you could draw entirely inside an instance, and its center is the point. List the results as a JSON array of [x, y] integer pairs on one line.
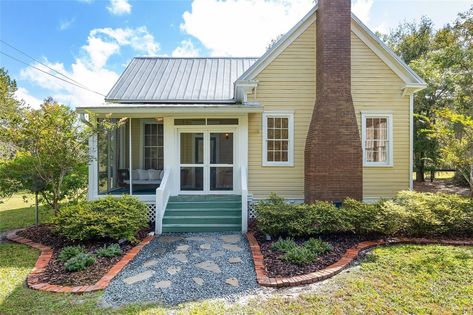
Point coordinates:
[[50, 146], [455, 134]]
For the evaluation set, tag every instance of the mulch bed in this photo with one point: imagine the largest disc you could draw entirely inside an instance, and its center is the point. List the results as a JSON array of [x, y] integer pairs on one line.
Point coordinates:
[[277, 267], [55, 272]]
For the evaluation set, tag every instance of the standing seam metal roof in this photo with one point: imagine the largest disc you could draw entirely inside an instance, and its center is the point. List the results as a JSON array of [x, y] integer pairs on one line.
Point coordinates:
[[178, 80]]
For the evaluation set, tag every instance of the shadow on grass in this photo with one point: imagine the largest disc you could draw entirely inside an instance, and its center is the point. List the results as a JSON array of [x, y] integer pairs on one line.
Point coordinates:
[[22, 217]]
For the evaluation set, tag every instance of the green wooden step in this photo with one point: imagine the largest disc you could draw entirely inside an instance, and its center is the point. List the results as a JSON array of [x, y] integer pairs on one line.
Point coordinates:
[[202, 212], [204, 205], [202, 220], [201, 227]]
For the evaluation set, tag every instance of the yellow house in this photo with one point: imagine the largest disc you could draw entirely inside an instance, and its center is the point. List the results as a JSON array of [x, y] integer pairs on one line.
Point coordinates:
[[206, 137]]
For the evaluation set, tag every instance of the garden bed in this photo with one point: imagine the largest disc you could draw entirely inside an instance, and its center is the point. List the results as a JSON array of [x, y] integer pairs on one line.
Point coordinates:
[[276, 266], [55, 272]]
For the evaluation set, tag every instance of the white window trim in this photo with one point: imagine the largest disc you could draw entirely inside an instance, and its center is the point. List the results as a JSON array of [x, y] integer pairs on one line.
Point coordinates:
[[389, 116], [290, 153], [143, 122]]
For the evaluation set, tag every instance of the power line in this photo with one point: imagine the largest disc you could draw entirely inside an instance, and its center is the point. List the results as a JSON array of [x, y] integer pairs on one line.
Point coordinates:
[[45, 65], [59, 78]]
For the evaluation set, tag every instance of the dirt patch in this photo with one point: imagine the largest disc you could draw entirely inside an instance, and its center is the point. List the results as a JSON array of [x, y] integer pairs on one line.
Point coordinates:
[[441, 186], [55, 272], [277, 267]]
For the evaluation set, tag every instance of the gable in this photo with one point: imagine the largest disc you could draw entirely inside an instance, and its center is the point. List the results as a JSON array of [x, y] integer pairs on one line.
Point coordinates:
[[412, 82]]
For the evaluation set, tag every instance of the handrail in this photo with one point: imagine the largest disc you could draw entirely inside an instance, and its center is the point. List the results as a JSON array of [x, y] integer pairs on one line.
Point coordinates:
[[162, 197], [244, 200]]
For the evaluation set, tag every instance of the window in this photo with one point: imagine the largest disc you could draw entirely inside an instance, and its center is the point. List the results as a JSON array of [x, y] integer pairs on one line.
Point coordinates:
[[278, 139], [153, 148], [377, 139]]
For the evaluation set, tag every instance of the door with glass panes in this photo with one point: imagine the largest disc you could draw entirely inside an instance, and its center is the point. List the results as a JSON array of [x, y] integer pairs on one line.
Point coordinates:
[[207, 161]]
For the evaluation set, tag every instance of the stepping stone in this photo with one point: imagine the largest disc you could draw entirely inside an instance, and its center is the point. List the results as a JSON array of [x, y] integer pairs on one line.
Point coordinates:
[[205, 246], [150, 263], [173, 270], [195, 238], [181, 257], [218, 254], [231, 238], [234, 248], [233, 282], [234, 260], [162, 284], [139, 277], [160, 250], [169, 239], [198, 281], [182, 248], [195, 255], [209, 266]]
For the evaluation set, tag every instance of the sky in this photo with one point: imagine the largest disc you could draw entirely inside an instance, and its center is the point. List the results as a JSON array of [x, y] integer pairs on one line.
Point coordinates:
[[92, 41]]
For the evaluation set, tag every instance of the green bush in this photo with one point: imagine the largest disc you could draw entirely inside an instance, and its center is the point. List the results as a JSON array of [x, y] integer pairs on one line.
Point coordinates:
[[318, 247], [299, 255], [283, 245], [409, 213], [110, 217], [112, 250], [278, 218], [70, 251], [79, 262]]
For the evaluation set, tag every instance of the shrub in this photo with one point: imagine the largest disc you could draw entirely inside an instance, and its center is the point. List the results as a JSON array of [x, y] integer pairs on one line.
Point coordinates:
[[110, 217], [112, 250], [299, 255], [318, 247], [79, 262], [70, 251], [363, 218], [283, 245], [278, 218]]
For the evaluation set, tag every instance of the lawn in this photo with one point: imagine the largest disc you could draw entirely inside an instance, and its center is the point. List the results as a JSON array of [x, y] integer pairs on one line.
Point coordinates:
[[399, 279], [16, 213]]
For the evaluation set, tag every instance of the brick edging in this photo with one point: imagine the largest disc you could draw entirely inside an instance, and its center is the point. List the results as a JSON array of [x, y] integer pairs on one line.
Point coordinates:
[[46, 254], [350, 255]]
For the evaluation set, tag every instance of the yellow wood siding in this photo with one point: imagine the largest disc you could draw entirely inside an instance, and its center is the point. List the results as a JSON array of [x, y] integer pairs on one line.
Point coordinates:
[[288, 83]]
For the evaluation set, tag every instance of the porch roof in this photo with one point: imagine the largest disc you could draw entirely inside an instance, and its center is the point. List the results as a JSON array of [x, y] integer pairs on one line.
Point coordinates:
[[166, 108], [148, 80]]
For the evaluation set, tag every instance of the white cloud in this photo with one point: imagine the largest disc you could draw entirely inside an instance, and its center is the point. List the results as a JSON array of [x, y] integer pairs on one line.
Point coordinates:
[[186, 49], [241, 28], [383, 28], [362, 9], [66, 24], [119, 7], [23, 94], [91, 68]]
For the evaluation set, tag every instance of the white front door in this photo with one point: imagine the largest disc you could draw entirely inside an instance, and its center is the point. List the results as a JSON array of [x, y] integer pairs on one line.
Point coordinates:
[[207, 161]]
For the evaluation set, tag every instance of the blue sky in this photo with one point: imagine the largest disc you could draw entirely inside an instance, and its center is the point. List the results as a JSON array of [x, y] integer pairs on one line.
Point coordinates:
[[91, 41]]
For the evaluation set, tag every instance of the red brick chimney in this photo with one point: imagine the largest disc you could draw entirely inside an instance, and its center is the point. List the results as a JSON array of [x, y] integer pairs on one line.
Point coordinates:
[[333, 158]]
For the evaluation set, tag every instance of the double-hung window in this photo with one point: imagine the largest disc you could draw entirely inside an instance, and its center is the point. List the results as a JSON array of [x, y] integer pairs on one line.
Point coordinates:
[[153, 148], [278, 139], [377, 139]]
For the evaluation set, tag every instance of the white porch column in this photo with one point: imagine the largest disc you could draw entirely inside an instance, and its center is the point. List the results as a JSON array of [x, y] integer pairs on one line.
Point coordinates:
[[130, 157], [93, 168]]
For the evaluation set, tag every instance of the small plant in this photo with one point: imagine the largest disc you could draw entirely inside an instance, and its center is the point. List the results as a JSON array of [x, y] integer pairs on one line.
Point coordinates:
[[69, 252], [112, 250], [284, 245], [79, 262], [299, 255], [318, 247]]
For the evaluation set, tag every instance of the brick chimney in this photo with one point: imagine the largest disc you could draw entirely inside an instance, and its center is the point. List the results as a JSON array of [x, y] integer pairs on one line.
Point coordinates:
[[333, 157]]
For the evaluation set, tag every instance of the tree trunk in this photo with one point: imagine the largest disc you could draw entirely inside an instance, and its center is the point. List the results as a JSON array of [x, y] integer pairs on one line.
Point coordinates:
[[471, 180], [432, 175], [420, 172]]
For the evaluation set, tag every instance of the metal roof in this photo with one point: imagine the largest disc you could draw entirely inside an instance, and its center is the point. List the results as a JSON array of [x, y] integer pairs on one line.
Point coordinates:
[[178, 80]]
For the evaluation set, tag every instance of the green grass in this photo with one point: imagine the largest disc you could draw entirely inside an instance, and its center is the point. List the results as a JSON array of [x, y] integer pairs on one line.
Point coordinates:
[[404, 279], [16, 213]]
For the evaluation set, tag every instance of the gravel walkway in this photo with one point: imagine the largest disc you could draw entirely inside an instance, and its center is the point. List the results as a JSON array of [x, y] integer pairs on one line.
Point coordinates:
[[176, 268]]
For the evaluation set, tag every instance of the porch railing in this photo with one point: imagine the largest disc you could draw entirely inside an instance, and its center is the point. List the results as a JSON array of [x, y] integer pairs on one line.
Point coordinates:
[[162, 197], [244, 200]]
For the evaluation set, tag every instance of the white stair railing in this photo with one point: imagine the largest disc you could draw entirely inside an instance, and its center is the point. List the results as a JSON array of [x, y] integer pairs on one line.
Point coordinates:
[[163, 193], [244, 200]]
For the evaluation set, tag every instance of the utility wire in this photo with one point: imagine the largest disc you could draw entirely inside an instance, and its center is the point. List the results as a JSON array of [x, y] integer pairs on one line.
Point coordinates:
[[23, 53], [62, 79]]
